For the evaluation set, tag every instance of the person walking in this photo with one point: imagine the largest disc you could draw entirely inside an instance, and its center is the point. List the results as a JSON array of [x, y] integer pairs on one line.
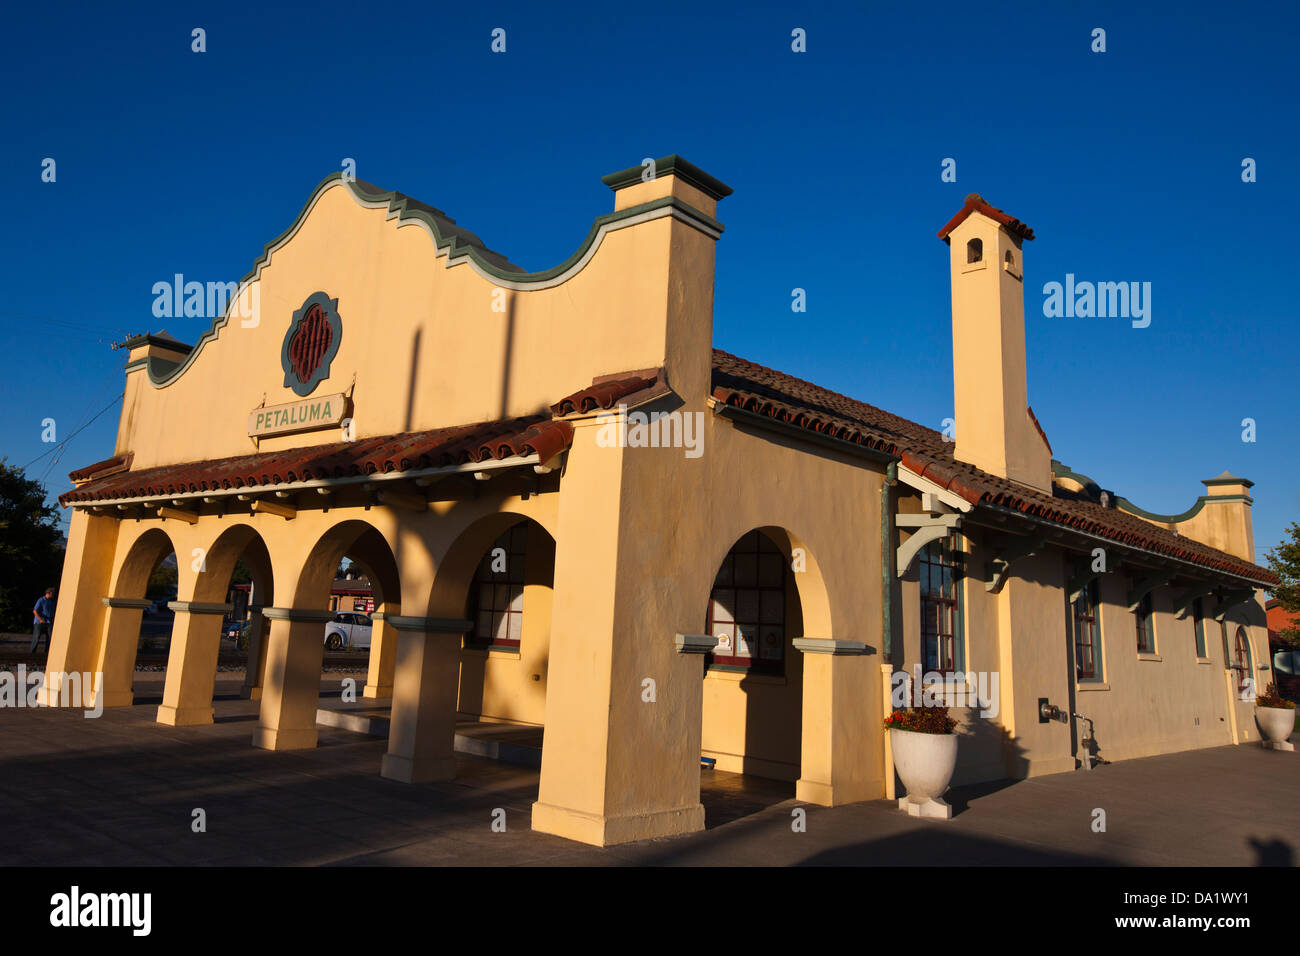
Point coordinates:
[[43, 620]]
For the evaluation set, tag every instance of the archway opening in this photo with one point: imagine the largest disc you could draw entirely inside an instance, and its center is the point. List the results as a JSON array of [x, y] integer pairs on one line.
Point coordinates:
[[751, 737]]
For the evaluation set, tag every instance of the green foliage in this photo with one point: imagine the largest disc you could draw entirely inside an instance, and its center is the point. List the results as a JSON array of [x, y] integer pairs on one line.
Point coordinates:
[[1284, 561], [31, 547], [162, 582]]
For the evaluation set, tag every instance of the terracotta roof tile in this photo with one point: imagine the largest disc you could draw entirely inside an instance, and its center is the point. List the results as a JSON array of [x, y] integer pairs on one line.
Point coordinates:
[[924, 451], [441, 447], [975, 203], [604, 394], [107, 466]]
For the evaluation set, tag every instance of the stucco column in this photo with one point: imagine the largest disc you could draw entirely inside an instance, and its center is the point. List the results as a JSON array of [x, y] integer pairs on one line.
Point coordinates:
[[118, 649], [79, 612], [843, 741], [426, 678], [255, 671], [295, 652], [192, 663], [383, 657]]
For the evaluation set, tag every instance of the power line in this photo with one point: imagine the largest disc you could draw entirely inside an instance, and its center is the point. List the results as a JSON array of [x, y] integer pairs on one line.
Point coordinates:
[[65, 441]]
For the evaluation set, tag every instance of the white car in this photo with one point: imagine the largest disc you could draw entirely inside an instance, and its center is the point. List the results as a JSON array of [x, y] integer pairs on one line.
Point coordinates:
[[348, 629]]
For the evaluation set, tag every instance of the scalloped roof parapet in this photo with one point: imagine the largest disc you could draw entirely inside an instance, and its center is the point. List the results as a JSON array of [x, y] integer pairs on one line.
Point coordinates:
[[454, 242]]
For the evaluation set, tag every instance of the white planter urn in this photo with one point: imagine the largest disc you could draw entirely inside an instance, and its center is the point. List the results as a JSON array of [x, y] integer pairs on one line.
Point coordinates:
[[1275, 726], [925, 763]]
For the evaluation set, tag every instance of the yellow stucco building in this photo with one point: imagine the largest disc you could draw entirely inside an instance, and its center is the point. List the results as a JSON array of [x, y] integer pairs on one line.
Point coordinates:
[[576, 513]]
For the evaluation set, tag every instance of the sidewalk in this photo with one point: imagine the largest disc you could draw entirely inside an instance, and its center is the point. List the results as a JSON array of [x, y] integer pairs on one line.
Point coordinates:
[[121, 790]]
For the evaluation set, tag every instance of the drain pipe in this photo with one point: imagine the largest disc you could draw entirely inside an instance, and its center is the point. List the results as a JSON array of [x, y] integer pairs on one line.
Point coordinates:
[[887, 612]]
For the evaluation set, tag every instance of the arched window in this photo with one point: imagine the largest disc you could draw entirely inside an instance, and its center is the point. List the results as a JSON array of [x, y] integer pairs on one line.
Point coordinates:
[[498, 591], [1241, 662], [975, 251], [747, 606]]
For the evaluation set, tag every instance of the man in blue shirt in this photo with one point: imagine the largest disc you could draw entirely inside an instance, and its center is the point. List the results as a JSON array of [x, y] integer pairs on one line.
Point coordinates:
[[43, 620]]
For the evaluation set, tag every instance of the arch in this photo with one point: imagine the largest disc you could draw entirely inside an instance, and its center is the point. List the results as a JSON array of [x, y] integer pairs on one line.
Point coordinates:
[[753, 710], [124, 621], [360, 541], [131, 577], [507, 597], [974, 251]]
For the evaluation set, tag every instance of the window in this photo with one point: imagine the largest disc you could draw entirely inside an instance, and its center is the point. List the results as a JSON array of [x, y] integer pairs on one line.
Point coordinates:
[[940, 568], [747, 606], [1198, 615], [498, 592], [1087, 634], [974, 251], [1241, 663], [1146, 626]]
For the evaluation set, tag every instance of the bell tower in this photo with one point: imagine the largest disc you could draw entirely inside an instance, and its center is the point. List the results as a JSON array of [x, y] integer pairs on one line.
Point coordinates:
[[995, 430]]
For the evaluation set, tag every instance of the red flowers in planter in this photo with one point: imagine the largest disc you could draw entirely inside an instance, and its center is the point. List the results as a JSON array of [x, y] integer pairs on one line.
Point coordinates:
[[921, 720], [1271, 698]]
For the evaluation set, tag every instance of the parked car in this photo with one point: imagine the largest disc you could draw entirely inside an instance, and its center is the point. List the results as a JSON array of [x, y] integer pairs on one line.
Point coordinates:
[[235, 630], [348, 629]]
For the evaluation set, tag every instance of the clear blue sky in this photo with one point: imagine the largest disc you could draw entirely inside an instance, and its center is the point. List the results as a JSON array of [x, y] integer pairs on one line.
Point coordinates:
[[1127, 164]]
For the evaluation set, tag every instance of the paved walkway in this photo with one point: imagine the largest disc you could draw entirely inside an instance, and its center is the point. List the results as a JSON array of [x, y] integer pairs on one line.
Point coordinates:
[[121, 790]]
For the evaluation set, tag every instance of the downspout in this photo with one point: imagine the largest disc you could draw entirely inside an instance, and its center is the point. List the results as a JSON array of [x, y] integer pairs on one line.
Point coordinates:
[[887, 611]]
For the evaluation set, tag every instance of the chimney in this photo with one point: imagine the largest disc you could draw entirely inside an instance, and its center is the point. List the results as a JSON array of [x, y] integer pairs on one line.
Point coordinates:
[[995, 430], [673, 204], [1224, 522]]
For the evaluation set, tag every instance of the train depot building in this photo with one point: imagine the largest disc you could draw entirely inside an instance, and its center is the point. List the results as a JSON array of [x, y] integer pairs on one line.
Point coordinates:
[[576, 513]]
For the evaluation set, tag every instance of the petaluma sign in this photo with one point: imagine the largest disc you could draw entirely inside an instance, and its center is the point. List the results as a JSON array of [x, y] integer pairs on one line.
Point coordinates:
[[323, 411], [311, 343]]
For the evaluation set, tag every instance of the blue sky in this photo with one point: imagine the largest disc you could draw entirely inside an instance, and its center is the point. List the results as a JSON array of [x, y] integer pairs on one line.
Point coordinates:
[[1126, 163]]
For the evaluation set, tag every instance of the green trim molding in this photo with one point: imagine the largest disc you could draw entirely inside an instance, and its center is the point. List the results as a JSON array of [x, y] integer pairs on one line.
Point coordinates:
[[671, 165], [1123, 504]]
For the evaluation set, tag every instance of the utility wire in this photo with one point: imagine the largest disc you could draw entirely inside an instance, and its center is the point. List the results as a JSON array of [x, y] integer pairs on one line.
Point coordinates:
[[65, 441]]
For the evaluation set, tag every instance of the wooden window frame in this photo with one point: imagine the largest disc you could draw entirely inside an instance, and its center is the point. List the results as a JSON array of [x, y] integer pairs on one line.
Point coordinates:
[[1091, 594], [515, 542], [1144, 616], [946, 552], [758, 545]]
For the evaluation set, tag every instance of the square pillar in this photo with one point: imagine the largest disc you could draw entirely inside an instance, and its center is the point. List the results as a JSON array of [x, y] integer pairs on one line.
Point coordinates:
[[79, 614], [426, 678], [624, 709], [118, 649], [295, 652], [843, 741], [192, 663], [255, 671], [383, 657]]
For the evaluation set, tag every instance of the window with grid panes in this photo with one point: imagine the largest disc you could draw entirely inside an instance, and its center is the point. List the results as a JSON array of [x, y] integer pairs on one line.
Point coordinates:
[[747, 606], [1145, 624], [1198, 615], [940, 569], [499, 591], [1087, 634]]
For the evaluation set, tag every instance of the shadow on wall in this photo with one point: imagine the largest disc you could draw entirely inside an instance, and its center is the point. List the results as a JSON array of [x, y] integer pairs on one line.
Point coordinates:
[[987, 753]]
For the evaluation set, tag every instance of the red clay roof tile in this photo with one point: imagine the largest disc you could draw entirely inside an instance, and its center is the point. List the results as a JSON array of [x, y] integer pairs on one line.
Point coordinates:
[[417, 450], [925, 452], [975, 203]]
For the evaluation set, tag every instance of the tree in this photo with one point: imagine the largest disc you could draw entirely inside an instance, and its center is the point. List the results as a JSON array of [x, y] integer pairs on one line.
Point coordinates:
[[1284, 561], [31, 547]]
